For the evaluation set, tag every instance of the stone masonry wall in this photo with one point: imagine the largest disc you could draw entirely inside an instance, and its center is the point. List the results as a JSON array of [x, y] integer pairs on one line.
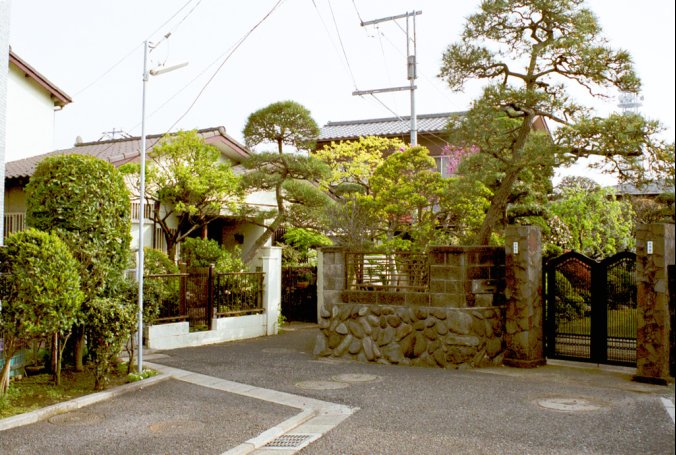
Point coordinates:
[[412, 335]]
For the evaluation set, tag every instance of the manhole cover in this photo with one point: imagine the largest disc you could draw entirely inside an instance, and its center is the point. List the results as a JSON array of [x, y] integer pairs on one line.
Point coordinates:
[[76, 418], [279, 351], [568, 404], [176, 426], [355, 377], [322, 385]]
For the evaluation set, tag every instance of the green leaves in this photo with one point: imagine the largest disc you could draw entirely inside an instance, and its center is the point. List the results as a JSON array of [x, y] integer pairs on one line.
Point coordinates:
[[282, 123], [42, 293], [86, 202]]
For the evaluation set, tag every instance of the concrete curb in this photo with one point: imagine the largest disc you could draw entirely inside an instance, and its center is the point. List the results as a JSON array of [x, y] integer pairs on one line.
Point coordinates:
[[77, 403], [316, 418]]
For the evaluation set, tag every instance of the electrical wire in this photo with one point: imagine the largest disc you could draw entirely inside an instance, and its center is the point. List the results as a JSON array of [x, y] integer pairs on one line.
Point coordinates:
[[333, 44], [132, 51], [340, 40], [234, 49], [357, 11]]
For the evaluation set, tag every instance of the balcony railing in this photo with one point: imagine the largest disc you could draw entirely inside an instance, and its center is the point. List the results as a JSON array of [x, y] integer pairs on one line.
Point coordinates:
[[391, 271]]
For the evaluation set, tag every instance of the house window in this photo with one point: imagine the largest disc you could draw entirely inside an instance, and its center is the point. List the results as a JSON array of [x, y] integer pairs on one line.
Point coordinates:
[[14, 222], [147, 209]]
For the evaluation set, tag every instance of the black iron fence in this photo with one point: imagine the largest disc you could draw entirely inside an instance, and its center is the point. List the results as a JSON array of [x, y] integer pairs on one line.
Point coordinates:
[[200, 294], [238, 294], [387, 271]]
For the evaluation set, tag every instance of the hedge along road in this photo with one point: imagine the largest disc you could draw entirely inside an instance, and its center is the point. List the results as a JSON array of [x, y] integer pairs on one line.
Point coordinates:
[[556, 409]]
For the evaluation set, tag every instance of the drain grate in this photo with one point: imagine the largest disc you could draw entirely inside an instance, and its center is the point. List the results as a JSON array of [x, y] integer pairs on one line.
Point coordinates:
[[288, 441]]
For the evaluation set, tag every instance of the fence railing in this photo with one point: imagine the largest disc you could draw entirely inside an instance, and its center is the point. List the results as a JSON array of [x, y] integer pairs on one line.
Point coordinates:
[[387, 271], [169, 292], [237, 294], [199, 295]]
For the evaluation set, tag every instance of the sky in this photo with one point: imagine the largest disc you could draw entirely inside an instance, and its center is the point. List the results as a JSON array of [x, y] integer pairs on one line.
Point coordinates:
[[314, 52]]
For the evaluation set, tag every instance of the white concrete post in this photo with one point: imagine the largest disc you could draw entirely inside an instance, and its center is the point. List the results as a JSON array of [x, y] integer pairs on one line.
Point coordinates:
[[271, 264]]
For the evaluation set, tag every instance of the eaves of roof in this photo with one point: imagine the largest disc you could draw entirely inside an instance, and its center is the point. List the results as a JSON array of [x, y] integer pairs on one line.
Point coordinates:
[[391, 126], [121, 151], [59, 96]]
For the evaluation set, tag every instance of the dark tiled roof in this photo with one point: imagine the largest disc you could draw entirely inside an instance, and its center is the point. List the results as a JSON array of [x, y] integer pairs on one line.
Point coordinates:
[[653, 189], [121, 151], [393, 126]]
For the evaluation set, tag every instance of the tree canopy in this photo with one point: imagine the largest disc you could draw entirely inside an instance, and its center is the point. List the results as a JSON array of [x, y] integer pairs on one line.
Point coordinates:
[[283, 123], [189, 183], [291, 177], [531, 51]]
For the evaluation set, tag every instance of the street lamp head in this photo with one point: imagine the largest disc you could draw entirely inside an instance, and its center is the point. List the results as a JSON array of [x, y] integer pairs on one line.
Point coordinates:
[[166, 69]]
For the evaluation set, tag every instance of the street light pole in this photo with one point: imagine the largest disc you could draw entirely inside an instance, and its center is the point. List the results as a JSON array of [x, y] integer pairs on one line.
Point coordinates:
[[141, 209], [142, 190]]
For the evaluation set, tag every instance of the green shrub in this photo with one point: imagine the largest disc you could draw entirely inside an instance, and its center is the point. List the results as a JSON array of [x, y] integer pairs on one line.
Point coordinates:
[[110, 323], [160, 295], [41, 291], [197, 252]]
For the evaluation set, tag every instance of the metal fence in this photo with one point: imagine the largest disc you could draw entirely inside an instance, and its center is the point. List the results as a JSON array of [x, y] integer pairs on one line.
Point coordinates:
[[200, 294], [387, 271], [238, 294]]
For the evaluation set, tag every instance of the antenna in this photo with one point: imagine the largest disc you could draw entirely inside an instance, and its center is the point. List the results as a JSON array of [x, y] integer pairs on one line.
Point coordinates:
[[629, 102], [410, 65]]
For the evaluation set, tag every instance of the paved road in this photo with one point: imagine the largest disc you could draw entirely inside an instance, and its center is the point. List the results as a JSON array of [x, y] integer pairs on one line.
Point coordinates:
[[404, 410]]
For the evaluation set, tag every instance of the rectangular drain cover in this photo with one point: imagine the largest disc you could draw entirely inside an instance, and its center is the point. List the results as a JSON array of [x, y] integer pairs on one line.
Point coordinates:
[[288, 441]]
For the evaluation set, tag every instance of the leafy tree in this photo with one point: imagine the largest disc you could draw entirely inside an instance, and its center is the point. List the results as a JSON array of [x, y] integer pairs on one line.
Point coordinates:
[[111, 321], [283, 123], [531, 49], [40, 294], [187, 182], [421, 207], [598, 225], [204, 252], [354, 162], [290, 176], [85, 201], [352, 216]]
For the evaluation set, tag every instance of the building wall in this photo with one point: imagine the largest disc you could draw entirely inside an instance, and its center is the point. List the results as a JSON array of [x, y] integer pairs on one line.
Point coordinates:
[[30, 117]]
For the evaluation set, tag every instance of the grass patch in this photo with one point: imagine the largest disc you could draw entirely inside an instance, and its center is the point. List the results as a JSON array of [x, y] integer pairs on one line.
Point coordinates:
[[35, 392]]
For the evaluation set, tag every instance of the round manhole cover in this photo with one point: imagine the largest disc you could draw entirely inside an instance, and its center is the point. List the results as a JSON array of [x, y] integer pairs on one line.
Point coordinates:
[[176, 426], [355, 377], [322, 385], [76, 418], [568, 404]]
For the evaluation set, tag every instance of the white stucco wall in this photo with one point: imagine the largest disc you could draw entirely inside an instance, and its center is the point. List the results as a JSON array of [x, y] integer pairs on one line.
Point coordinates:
[[30, 117]]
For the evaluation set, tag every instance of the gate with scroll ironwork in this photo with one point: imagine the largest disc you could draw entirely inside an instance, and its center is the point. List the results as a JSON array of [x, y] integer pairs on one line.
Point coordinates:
[[591, 308]]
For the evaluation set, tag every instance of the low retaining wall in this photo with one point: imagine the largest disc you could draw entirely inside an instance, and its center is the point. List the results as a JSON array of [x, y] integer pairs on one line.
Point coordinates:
[[412, 335], [178, 335]]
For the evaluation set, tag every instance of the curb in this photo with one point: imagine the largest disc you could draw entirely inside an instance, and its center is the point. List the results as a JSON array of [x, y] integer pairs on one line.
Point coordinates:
[[77, 403]]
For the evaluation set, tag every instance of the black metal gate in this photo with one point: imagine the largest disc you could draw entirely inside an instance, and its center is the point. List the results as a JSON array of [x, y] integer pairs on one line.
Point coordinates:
[[590, 312], [299, 293]]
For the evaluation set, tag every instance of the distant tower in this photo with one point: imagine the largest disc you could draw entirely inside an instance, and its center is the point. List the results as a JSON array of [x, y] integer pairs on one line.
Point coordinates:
[[629, 103]]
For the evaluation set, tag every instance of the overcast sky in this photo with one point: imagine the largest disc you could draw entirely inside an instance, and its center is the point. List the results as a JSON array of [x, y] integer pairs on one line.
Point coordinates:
[[295, 54]]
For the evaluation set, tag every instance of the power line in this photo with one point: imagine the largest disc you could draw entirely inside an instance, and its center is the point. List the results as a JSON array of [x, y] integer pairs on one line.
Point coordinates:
[[237, 45], [358, 15], [340, 40], [127, 55]]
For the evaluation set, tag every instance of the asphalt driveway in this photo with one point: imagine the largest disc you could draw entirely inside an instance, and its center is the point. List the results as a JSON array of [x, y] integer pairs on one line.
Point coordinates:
[[561, 408]]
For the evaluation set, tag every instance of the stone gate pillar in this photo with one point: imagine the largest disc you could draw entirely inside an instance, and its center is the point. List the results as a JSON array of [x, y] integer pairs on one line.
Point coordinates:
[[330, 278], [524, 346], [654, 252]]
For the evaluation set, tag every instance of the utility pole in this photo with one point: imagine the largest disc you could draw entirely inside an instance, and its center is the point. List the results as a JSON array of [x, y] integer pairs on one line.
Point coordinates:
[[411, 66]]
